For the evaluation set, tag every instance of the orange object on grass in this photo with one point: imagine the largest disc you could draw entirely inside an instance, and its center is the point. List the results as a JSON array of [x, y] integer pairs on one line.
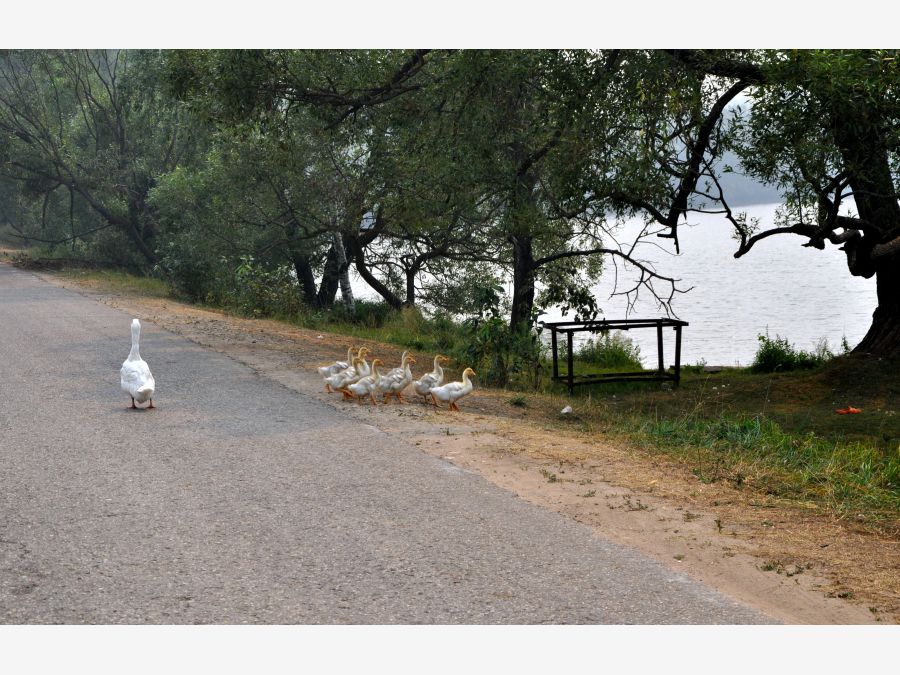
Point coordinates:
[[849, 410]]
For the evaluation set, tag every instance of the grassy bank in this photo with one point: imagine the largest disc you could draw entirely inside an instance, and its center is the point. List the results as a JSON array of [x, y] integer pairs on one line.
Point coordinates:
[[775, 435]]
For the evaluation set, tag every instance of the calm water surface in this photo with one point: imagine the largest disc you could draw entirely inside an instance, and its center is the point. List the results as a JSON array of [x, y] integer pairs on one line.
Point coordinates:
[[802, 294]]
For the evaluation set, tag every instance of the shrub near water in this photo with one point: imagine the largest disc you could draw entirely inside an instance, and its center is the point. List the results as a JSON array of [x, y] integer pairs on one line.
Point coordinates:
[[779, 355]]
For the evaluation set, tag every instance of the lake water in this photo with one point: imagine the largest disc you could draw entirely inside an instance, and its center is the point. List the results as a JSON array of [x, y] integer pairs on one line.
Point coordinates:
[[801, 294]]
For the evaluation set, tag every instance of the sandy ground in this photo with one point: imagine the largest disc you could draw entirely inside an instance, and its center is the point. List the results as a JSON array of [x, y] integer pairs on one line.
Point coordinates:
[[795, 563]]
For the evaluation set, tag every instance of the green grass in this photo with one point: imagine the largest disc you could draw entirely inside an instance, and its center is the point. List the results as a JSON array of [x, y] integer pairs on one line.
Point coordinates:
[[8, 238], [776, 434], [122, 282], [778, 355], [613, 351], [407, 329]]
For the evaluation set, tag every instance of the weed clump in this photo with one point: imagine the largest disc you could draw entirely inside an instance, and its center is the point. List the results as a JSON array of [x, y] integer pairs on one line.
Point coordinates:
[[778, 355], [613, 350]]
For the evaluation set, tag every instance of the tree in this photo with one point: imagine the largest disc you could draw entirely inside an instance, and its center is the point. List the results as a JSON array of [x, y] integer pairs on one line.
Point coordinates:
[[96, 124], [823, 127], [491, 140]]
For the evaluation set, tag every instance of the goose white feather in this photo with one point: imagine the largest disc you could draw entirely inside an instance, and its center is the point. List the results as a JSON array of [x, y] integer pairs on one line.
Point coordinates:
[[397, 379], [337, 366], [136, 378], [453, 391], [340, 380], [351, 373], [429, 380], [367, 385]]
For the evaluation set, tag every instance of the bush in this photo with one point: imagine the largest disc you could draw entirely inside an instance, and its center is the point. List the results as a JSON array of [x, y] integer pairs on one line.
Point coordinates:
[[191, 269], [779, 355], [612, 350], [261, 290]]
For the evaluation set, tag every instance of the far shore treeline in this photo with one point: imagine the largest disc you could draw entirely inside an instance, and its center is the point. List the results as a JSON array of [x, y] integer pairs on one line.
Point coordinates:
[[260, 178]]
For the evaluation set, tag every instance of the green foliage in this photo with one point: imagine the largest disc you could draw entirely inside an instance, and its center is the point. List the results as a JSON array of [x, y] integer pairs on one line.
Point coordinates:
[[854, 474], [481, 164], [518, 401], [499, 354], [194, 271], [369, 313], [778, 355], [261, 290], [88, 133], [613, 350]]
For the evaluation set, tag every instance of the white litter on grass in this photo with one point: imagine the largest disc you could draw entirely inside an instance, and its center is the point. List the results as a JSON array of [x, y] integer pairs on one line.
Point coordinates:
[[566, 411]]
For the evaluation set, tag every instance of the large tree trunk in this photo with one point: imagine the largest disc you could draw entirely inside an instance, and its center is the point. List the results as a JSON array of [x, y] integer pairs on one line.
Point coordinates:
[[883, 337], [523, 282], [330, 279], [411, 273], [359, 257], [307, 280], [865, 152]]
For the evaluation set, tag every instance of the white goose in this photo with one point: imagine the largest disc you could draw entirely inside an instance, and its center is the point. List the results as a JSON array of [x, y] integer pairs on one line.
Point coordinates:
[[137, 381], [348, 369], [365, 386], [453, 391], [337, 366], [358, 368], [340, 380], [432, 379], [397, 379]]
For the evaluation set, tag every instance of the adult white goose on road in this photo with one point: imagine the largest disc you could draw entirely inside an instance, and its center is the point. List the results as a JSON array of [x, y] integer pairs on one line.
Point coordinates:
[[137, 381]]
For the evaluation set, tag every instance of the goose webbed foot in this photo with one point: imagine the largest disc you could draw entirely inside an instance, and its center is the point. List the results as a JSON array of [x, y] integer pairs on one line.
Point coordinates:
[[133, 406], [151, 405]]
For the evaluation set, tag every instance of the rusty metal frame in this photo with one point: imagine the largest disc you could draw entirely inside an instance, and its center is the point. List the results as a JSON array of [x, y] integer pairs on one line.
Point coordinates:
[[569, 328]]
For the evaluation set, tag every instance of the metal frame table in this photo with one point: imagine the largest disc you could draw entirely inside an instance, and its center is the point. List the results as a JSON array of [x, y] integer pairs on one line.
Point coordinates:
[[569, 328]]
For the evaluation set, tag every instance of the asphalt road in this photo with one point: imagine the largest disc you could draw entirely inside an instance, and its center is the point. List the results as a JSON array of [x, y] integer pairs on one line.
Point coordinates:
[[241, 501]]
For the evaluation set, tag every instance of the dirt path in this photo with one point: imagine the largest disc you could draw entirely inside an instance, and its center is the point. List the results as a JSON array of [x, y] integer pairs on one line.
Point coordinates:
[[796, 564]]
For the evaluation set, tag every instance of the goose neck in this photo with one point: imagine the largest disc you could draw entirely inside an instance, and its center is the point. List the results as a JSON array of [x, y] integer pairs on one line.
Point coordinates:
[[135, 353]]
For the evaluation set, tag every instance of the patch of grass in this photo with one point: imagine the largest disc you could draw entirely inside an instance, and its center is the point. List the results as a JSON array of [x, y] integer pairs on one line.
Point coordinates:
[[518, 401], [636, 505], [551, 477], [121, 282], [778, 355], [847, 476], [776, 435], [612, 351], [407, 328]]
